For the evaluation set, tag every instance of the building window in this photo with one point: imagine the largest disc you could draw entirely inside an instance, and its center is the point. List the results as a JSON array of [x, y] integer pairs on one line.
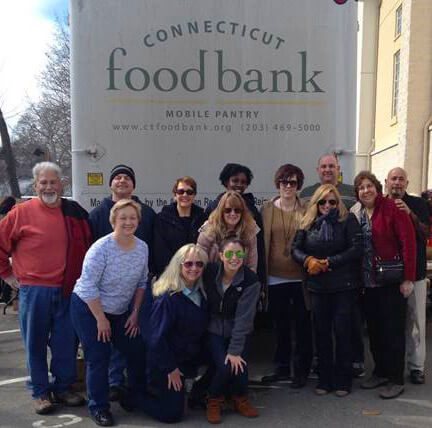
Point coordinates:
[[396, 76], [398, 25]]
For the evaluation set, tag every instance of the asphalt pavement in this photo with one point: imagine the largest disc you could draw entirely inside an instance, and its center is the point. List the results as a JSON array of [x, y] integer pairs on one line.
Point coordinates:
[[279, 405]]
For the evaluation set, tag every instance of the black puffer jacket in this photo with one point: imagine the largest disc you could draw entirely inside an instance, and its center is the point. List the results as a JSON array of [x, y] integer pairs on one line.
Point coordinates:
[[344, 254], [170, 233]]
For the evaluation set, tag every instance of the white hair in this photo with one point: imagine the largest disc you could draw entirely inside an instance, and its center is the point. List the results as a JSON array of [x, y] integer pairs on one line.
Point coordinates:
[[44, 166]]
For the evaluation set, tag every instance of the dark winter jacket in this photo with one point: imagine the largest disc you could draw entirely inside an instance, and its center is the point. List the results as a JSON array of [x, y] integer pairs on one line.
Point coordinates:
[[231, 313], [171, 232], [177, 327], [100, 225], [419, 207], [344, 253], [249, 199], [79, 241]]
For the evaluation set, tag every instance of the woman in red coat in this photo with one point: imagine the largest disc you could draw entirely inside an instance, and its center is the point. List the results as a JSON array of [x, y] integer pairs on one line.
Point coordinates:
[[388, 235]]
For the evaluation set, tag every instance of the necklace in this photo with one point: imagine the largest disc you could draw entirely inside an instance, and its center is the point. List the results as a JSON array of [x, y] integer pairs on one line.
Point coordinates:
[[286, 232]]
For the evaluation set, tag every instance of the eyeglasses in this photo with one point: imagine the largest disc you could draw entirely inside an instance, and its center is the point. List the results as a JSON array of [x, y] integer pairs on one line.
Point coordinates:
[[229, 254], [286, 183], [322, 202], [188, 192], [189, 264], [236, 210]]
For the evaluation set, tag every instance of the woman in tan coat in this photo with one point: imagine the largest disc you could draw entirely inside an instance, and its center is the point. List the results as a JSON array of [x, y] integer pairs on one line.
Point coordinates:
[[281, 219]]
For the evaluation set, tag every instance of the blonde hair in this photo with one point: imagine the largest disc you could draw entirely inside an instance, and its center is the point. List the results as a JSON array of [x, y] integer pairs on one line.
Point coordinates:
[[245, 227], [119, 205], [171, 281], [312, 211]]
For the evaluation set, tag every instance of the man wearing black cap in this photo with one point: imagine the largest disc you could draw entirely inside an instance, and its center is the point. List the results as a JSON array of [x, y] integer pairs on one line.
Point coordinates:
[[122, 183]]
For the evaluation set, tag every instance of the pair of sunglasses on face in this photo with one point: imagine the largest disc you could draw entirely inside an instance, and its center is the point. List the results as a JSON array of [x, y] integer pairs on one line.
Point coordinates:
[[229, 254], [331, 202], [188, 192], [286, 183], [190, 264], [229, 210]]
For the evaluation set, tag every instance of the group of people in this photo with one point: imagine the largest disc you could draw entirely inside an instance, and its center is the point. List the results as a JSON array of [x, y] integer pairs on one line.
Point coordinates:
[[162, 295]]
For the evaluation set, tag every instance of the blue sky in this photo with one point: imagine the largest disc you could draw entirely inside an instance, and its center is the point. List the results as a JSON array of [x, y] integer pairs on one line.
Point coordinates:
[[22, 58], [50, 8]]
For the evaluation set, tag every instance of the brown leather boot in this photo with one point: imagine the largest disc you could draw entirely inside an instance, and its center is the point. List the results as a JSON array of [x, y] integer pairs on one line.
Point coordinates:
[[214, 409], [244, 407]]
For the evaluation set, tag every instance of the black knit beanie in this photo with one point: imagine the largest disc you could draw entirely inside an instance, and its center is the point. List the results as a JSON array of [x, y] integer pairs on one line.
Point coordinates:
[[122, 169]]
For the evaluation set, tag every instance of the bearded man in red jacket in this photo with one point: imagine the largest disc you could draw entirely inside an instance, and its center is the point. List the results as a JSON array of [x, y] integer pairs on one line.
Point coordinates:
[[42, 246]]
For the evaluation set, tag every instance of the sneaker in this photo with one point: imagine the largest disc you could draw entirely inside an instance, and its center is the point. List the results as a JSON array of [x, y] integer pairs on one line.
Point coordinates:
[[321, 391], [214, 408], [358, 370], [43, 405], [417, 377], [280, 375], [102, 418], [68, 398], [373, 382], [391, 390], [244, 406]]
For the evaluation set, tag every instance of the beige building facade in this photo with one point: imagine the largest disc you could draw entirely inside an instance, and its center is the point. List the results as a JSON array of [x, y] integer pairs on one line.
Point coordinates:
[[395, 89]]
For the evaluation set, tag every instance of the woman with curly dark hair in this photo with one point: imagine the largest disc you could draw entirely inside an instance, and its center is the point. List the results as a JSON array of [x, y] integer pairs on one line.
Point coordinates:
[[237, 178], [388, 236]]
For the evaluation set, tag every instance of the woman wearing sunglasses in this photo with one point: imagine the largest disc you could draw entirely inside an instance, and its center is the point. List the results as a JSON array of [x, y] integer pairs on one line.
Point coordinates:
[[281, 218], [230, 218], [329, 247], [177, 324], [232, 291], [177, 224]]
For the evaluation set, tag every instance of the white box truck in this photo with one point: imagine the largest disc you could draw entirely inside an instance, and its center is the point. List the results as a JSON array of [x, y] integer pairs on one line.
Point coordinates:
[[181, 87]]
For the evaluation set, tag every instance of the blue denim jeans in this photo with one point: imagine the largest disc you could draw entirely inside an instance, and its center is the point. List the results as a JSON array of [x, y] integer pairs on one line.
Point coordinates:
[[117, 367], [45, 321], [97, 354], [223, 379], [118, 361]]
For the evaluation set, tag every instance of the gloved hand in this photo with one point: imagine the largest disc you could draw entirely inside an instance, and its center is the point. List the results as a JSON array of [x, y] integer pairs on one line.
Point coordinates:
[[315, 266]]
